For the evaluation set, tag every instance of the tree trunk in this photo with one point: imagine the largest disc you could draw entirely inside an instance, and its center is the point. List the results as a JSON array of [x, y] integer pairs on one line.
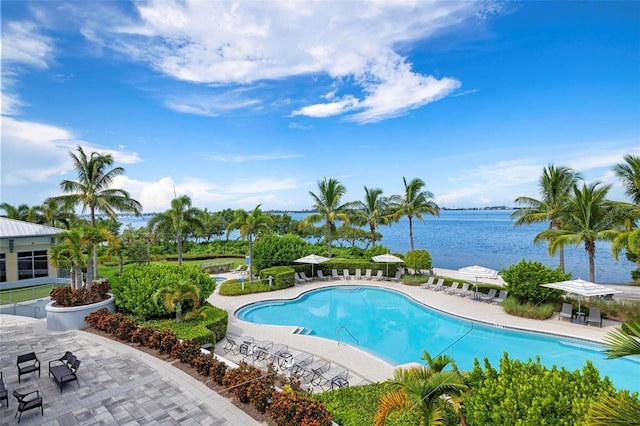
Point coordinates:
[[561, 257], [590, 247], [373, 235], [411, 231], [77, 278], [250, 268], [178, 312], [329, 236], [120, 264], [89, 273], [95, 250], [179, 243]]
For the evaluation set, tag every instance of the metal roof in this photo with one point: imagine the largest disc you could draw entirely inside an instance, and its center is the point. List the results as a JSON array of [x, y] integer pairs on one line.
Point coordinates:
[[11, 228]]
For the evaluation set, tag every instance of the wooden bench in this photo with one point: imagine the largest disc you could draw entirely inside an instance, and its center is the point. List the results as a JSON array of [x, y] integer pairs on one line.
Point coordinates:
[[28, 363], [26, 405], [65, 373]]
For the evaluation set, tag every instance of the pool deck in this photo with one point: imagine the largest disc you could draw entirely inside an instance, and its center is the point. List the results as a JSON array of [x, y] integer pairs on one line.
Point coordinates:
[[366, 367]]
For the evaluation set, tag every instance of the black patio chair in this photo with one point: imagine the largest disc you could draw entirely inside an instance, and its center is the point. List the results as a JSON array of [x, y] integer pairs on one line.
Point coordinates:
[[28, 363], [25, 404], [4, 394]]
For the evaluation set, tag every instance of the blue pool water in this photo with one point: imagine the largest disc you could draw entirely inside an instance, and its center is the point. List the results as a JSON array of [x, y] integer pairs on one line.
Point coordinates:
[[394, 327]]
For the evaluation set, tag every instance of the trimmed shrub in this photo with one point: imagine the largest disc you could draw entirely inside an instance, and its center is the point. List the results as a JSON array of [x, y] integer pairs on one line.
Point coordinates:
[[234, 288], [186, 351], [523, 281], [418, 260], [283, 276], [274, 250], [217, 371], [66, 296], [289, 408], [240, 379]]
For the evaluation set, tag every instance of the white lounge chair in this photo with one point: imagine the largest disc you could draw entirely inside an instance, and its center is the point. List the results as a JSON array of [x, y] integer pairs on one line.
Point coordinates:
[[358, 274], [438, 285], [452, 289], [321, 276], [428, 283], [379, 276], [498, 300], [367, 274], [345, 274], [305, 277], [462, 291], [566, 312], [334, 274], [397, 276], [299, 279], [489, 296], [291, 363], [334, 376], [239, 268]]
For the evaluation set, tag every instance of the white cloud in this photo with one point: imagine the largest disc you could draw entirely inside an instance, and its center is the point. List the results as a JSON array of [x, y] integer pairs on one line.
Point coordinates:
[[355, 43], [212, 105], [240, 158], [23, 44]]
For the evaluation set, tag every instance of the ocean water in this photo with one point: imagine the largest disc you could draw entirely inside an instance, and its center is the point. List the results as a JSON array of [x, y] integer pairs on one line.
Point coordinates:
[[486, 237]]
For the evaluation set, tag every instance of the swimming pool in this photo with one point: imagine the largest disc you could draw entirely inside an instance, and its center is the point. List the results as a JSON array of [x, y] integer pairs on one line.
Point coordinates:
[[397, 329]]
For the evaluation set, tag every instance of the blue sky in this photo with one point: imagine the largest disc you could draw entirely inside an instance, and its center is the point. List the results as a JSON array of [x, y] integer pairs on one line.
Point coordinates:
[[241, 103]]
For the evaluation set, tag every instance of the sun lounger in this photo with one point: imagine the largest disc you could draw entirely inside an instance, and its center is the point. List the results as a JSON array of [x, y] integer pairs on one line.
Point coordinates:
[[232, 344], [503, 295], [321, 276], [367, 274], [246, 346], [489, 296], [273, 353], [397, 276], [305, 277], [594, 316], [334, 376], [462, 291], [452, 289], [358, 274], [240, 268], [345, 274], [308, 371], [428, 283], [379, 276], [334, 274], [566, 312], [299, 279], [294, 361], [438, 285]]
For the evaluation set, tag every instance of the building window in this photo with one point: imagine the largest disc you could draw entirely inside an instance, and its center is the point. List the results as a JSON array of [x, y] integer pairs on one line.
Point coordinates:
[[3, 268], [33, 264]]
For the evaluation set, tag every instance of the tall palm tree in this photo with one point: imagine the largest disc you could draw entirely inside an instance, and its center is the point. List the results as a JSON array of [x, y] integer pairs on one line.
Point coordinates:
[[413, 203], [555, 191], [175, 295], [629, 238], [629, 174], [22, 212], [372, 211], [93, 190], [421, 389], [586, 219], [327, 205], [251, 224], [53, 213], [177, 220]]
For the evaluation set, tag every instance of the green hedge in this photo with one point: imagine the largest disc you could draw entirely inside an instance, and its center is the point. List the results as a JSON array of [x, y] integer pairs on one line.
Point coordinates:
[[210, 330], [234, 288], [353, 264], [283, 276]]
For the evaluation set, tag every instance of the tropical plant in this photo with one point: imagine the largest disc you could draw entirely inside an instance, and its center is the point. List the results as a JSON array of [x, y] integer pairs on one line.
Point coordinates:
[[422, 388], [555, 193], [629, 238], [93, 190], [587, 218], [274, 250], [22, 212], [524, 278], [623, 341], [54, 213], [251, 224], [414, 202], [373, 211], [174, 296], [176, 220], [418, 260], [327, 207]]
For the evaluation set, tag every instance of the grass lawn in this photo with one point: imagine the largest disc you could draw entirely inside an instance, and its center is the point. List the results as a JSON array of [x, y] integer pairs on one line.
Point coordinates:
[[27, 293]]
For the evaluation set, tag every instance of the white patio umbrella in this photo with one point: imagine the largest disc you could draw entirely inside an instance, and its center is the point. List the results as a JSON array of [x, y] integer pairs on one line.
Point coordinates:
[[582, 288], [313, 259], [477, 271], [387, 258]]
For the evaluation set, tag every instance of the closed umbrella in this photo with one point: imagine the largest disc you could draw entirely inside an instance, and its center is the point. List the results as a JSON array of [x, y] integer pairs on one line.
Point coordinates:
[[387, 258], [582, 288], [313, 259]]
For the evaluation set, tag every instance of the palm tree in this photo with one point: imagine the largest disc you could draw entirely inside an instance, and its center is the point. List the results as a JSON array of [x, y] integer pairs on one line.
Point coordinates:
[[629, 238], [177, 220], [421, 388], [327, 206], [629, 174], [555, 190], [250, 224], [372, 211], [53, 213], [93, 190], [623, 341], [587, 218], [413, 203], [175, 295], [22, 212]]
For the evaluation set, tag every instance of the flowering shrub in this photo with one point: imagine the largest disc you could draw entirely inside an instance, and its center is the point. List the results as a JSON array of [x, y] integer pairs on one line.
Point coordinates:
[[142, 335], [186, 351], [94, 317], [240, 379], [163, 340], [217, 371], [66, 296], [289, 408], [126, 328]]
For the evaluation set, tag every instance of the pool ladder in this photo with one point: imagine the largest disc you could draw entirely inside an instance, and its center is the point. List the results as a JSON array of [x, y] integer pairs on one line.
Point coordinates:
[[350, 334]]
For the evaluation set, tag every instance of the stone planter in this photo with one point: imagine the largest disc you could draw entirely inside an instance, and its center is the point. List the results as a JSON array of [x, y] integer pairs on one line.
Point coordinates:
[[72, 318]]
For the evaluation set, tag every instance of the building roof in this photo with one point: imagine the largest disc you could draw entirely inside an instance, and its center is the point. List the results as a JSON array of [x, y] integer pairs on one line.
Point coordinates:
[[11, 228]]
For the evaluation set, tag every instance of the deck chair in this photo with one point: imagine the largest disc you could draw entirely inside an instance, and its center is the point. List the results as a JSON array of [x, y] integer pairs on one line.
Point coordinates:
[[273, 353], [358, 274], [231, 344], [299, 279], [25, 404], [345, 274], [379, 276], [292, 362], [452, 289], [462, 291], [239, 268], [305, 277], [367, 274], [566, 312], [320, 275], [327, 377], [438, 285], [3, 391], [428, 283], [397, 276], [594, 316], [308, 371], [498, 300], [489, 296], [28, 363], [334, 274]]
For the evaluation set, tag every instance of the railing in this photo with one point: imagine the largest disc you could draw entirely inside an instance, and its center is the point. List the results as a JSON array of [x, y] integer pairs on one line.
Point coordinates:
[[350, 334], [23, 309]]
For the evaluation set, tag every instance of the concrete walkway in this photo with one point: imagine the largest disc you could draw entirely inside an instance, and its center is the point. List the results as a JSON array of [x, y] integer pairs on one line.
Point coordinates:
[[119, 385]]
